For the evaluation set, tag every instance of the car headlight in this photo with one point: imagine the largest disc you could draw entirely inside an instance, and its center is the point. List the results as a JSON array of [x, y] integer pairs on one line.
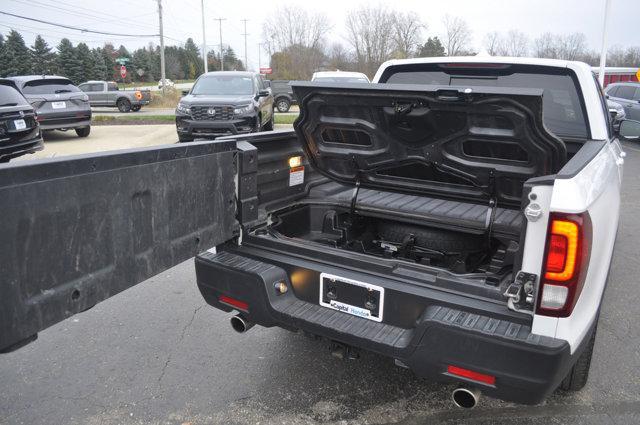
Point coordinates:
[[242, 109], [183, 108]]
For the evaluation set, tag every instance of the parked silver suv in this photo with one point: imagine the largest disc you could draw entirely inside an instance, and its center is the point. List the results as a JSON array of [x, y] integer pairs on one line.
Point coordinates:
[[627, 95], [60, 105]]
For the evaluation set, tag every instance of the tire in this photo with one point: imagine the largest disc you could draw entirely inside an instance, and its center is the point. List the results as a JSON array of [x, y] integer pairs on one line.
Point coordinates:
[[437, 239], [283, 105], [83, 131], [269, 126], [136, 108], [123, 105], [184, 139], [577, 377]]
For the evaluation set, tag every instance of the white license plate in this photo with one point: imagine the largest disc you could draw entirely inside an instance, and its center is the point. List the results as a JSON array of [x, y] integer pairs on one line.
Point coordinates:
[[19, 124], [352, 288], [58, 105]]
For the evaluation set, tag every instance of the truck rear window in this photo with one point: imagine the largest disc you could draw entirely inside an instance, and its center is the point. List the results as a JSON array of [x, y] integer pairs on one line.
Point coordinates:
[[562, 106]]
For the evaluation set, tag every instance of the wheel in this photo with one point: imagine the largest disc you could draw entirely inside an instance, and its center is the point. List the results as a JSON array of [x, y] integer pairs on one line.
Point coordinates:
[[123, 105], [283, 105], [577, 377], [136, 108], [83, 131], [269, 126], [184, 139]]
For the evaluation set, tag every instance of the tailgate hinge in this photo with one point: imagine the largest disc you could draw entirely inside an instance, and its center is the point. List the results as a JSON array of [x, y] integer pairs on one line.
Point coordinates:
[[521, 291]]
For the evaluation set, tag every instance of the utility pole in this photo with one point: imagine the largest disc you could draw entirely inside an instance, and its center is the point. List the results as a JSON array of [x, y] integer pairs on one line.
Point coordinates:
[[204, 42], [246, 63], [603, 50], [221, 53], [162, 72], [259, 55]]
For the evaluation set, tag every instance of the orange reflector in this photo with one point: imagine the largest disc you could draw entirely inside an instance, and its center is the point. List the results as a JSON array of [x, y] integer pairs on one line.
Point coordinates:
[[295, 161], [138, 95], [241, 305], [562, 251], [470, 374]]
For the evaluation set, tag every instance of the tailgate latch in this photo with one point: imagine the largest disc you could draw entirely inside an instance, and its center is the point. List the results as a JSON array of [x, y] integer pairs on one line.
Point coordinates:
[[521, 289]]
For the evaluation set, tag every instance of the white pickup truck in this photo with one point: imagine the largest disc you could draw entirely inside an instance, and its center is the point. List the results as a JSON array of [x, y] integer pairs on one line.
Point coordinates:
[[459, 217]]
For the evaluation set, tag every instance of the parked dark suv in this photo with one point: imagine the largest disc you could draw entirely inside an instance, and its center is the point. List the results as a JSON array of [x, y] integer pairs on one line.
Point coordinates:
[[19, 129], [627, 95], [222, 103], [60, 105]]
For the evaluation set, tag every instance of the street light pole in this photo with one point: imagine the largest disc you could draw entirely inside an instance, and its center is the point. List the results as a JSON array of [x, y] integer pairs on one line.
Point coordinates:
[[603, 50], [221, 53], [162, 70], [259, 55], [246, 63], [204, 42]]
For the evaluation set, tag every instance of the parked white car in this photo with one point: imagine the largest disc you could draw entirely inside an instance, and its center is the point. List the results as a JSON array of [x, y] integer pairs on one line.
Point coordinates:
[[340, 77]]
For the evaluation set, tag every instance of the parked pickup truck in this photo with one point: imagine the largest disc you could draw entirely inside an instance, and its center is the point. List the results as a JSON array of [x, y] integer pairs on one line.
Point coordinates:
[[107, 93], [458, 217]]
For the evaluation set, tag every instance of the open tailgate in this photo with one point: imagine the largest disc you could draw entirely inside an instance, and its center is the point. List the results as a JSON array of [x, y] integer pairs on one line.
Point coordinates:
[[78, 230]]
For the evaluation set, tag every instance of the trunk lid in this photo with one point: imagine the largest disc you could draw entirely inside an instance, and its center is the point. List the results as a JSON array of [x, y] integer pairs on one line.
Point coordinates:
[[472, 143]]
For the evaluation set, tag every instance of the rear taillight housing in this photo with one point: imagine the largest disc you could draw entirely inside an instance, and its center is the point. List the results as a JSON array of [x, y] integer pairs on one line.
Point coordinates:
[[565, 263]]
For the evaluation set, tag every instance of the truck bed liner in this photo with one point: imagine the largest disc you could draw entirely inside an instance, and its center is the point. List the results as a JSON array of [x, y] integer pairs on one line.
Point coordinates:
[[433, 210]]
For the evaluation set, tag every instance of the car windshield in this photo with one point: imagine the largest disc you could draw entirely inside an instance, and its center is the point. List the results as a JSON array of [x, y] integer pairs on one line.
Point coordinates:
[[9, 96], [49, 86], [562, 107], [224, 85], [341, 79]]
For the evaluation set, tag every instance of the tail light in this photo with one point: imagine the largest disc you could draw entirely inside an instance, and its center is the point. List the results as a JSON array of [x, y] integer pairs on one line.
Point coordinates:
[[565, 263]]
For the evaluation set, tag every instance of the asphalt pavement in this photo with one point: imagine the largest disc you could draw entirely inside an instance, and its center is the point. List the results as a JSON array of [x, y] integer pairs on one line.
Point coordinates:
[[157, 354]]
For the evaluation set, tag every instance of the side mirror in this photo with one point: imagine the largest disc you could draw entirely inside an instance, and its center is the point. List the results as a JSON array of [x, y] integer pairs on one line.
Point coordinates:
[[185, 92], [629, 130], [264, 93], [606, 96], [267, 83]]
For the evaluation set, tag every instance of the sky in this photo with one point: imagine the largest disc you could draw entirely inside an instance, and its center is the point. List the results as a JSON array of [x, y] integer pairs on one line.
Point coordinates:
[[182, 19]]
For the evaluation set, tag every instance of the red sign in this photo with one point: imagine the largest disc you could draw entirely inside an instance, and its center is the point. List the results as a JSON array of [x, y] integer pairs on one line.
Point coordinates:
[[123, 71], [266, 70]]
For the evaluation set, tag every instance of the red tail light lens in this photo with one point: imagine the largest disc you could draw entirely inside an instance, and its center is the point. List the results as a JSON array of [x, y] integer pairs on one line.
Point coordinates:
[[565, 264], [240, 305], [472, 375]]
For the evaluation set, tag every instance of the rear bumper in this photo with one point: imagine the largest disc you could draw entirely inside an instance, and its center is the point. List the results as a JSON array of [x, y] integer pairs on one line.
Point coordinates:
[[67, 119], [527, 367], [19, 148], [211, 128]]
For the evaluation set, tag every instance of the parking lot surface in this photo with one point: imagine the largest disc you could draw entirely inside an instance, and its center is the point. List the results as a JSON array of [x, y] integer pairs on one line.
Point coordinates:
[[157, 354]]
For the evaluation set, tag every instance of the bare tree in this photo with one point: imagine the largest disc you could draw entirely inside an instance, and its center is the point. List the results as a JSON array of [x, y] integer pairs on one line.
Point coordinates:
[[572, 46], [407, 33], [546, 46], [290, 26], [457, 35], [370, 33], [492, 42], [515, 44], [339, 58]]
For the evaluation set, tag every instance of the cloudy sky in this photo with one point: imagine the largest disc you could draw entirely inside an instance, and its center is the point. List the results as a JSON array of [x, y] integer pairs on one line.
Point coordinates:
[[182, 19]]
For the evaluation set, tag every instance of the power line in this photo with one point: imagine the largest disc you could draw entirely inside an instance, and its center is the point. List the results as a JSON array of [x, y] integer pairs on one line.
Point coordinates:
[[84, 30]]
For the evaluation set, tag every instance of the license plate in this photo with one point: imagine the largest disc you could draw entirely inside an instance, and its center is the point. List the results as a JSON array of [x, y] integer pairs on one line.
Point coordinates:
[[19, 124], [58, 105], [351, 296]]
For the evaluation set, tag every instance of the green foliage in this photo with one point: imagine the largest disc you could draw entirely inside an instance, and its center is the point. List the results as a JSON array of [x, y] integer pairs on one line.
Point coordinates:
[[68, 62], [16, 56], [432, 47], [42, 58]]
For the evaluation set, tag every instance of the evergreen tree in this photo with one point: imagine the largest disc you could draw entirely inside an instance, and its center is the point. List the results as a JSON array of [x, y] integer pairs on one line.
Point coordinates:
[[109, 54], [17, 57], [87, 61], [100, 70], [69, 65], [42, 58], [3, 60], [433, 47]]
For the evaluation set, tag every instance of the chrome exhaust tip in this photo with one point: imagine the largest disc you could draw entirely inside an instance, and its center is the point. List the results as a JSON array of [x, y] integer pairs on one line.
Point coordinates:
[[466, 398], [240, 324]]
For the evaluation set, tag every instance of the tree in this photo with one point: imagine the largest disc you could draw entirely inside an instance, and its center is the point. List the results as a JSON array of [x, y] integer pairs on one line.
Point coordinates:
[[42, 58], [406, 34], [3, 60], [431, 48], [492, 42], [100, 70], [109, 54], [87, 61], [339, 58], [370, 31], [17, 56], [514, 44], [567, 46], [68, 63], [457, 35]]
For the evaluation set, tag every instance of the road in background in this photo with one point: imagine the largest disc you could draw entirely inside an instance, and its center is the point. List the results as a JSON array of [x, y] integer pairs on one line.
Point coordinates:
[[105, 138], [157, 354]]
